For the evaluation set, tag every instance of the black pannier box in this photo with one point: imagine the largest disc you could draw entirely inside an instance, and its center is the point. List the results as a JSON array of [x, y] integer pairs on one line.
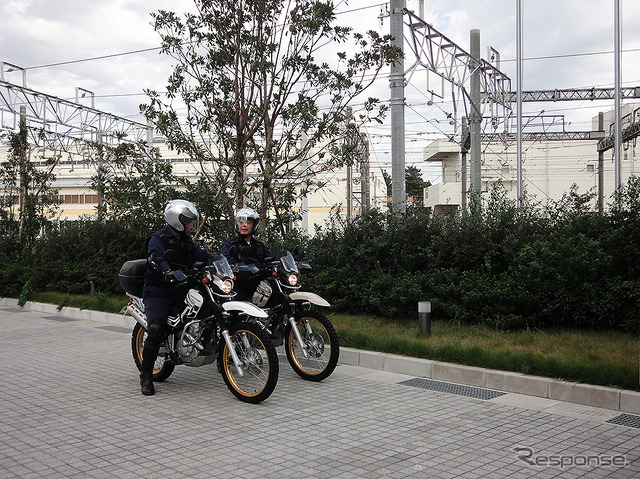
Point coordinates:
[[131, 276]]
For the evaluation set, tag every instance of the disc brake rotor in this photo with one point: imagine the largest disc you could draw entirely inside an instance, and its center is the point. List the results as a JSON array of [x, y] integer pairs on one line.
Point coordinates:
[[253, 359], [315, 345]]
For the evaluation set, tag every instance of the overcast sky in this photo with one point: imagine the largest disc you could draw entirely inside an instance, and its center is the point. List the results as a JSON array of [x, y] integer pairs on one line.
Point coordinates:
[[110, 48]]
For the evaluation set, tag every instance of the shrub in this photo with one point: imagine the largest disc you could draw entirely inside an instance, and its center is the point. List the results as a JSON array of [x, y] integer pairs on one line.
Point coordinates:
[[498, 265]]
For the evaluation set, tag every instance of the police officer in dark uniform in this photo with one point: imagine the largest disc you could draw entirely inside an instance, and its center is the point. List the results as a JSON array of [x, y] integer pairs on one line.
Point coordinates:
[[160, 294], [247, 221]]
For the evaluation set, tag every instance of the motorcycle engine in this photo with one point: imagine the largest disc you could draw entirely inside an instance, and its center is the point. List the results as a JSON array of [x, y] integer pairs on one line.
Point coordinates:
[[189, 344]]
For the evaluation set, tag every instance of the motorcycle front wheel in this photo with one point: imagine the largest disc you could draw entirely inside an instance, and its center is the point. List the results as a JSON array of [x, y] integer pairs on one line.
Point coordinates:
[[162, 368], [259, 363], [321, 341]]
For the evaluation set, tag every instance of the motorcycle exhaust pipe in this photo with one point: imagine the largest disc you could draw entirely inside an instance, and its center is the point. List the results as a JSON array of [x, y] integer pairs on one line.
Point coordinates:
[[137, 314]]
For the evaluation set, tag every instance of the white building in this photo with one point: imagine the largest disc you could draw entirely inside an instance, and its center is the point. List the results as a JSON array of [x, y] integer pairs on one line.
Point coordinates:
[[320, 202], [73, 181], [549, 168]]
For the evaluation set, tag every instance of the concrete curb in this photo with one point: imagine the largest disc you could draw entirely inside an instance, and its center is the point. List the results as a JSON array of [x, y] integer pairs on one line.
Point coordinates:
[[586, 394], [597, 396], [75, 313]]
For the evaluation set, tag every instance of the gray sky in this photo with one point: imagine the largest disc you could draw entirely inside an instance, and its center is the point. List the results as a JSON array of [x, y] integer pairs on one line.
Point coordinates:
[[567, 44]]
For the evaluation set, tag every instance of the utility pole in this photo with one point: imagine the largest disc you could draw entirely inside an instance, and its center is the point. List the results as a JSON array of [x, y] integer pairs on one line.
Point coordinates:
[[24, 180], [398, 191], [600, 168], [364, 174], [475, 119], [519, 177], [465, 132], [304, 166], [618, 115], [349, 193]]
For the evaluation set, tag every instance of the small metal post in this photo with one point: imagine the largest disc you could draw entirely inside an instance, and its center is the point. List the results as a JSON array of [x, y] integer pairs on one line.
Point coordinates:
[[424, 317]]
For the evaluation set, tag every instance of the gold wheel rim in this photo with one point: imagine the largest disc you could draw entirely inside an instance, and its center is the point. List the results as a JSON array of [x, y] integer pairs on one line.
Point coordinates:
[[228, 364], [291, 340]]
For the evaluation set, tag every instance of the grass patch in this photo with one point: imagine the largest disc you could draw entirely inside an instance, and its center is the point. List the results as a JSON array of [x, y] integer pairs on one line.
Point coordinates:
[[94, 302], [602, 358]]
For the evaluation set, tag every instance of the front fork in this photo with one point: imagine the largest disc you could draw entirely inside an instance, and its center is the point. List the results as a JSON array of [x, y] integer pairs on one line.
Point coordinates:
[[296, 332], [232, 351]]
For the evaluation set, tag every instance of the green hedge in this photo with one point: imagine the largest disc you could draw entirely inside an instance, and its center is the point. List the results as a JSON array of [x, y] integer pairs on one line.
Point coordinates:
[[502, 266], [71, 256]]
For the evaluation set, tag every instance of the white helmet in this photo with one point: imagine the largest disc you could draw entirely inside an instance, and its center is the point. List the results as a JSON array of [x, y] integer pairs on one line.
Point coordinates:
[[248, 214], [178, 212]]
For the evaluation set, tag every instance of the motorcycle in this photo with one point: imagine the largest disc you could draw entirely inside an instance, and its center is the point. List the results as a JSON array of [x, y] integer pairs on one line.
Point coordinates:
[[310, 340], [209, 325]]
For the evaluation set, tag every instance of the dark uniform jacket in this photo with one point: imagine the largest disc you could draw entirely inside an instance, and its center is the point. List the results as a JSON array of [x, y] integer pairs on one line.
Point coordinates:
[[186, 252], [245, 286], [259, 250]]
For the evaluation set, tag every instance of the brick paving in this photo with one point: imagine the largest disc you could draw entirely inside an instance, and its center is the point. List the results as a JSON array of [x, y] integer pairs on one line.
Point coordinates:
[[71, 408]]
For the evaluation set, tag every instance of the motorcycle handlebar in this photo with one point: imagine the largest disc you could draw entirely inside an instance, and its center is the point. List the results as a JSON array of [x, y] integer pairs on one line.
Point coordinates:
[[174, 276]]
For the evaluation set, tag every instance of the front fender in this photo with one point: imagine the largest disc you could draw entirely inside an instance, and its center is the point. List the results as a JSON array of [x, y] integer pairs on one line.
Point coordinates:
[[244, 307], [311, 297]]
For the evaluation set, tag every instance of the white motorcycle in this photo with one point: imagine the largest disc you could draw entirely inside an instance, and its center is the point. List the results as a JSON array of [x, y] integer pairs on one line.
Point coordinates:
[[310, 340], [209, 325]]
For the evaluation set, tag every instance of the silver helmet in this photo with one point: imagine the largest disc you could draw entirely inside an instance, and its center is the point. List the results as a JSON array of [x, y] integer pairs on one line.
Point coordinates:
[[248, 214], [178, 212]]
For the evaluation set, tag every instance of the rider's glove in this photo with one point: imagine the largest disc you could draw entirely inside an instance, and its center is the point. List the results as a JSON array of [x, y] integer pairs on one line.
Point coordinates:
[[168, 277], [174, 276]]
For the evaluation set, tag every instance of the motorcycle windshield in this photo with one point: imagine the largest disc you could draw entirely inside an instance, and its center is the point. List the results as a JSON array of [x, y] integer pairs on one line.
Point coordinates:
[[288, 263], [223, 269]]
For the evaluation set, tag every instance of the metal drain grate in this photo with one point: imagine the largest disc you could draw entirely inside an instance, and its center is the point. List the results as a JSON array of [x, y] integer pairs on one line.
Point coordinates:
[[452, 388], [628, 420], [62, 319]]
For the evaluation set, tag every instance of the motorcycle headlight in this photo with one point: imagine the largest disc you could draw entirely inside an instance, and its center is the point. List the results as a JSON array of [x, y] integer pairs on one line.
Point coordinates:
[[292, 279], [227, 286]]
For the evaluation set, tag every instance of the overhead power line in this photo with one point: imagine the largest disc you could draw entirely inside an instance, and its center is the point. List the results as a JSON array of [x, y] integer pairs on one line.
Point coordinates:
[[145, 50], [103, 57], [571, 55]]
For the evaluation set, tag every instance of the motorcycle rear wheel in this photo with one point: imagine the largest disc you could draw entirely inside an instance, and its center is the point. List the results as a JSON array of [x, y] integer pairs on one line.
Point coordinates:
[[162, 368], [259, 363], [321, 340]]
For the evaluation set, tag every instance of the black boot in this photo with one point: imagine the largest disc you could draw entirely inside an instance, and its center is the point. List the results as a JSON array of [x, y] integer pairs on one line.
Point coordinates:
[[149, 355], [146, 383]]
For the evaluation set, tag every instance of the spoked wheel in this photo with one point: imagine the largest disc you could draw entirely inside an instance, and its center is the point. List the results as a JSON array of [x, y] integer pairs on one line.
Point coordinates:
[[321, 342], [162, 368], [259, 363]]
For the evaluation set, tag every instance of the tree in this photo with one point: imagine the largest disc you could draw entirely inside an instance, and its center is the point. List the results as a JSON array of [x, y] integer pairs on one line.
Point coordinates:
[[388, 182], [415, 184], [28, 201], [264, 106]]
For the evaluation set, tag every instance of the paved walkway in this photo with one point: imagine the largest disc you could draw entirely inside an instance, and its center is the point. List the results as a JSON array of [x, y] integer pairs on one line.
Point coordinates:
[[70, 406]]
